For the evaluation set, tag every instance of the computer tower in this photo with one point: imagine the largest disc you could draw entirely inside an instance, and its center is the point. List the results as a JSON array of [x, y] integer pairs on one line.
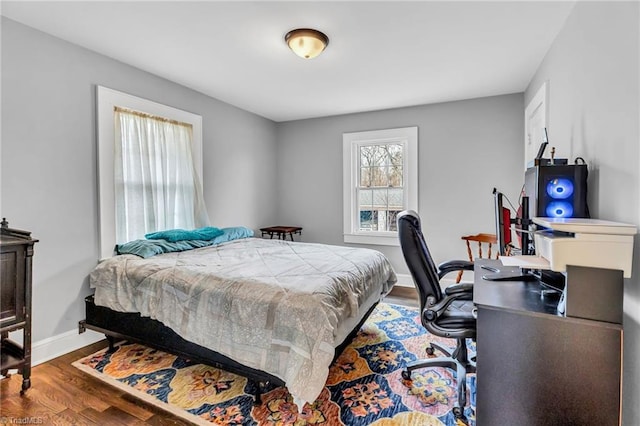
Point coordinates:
[[557, 190]]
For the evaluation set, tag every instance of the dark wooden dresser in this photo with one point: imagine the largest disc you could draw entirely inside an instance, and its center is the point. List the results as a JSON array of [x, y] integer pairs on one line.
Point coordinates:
[[16, 248]]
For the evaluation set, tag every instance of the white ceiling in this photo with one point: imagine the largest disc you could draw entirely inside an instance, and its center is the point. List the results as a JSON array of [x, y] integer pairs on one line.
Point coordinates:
[[381, 54]]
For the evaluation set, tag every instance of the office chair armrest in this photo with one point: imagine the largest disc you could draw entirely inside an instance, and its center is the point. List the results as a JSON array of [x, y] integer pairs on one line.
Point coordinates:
[[453, 266], [459, 289], [433, 312]]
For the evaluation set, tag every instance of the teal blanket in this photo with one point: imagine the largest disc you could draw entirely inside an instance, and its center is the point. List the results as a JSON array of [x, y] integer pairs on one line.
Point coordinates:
[[148, 248], [175, 235]]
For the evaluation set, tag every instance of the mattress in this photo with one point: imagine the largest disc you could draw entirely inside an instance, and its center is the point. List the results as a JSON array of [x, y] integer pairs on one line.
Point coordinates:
[[277, 306]]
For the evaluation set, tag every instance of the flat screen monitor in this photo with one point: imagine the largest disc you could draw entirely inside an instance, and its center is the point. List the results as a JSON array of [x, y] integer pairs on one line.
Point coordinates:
[[503, 237], [503, 223]]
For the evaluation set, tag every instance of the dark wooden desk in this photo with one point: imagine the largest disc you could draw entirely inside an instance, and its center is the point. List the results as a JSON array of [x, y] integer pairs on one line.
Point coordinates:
[[281, 231], [535, 367]]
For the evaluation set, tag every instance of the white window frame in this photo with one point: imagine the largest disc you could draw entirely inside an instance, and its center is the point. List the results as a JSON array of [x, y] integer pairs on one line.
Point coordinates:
[[107, 99], [351, 142]]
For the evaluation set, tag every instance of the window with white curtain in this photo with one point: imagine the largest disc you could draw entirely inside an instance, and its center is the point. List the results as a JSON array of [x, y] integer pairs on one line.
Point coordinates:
[[149, 168], [156, 186]]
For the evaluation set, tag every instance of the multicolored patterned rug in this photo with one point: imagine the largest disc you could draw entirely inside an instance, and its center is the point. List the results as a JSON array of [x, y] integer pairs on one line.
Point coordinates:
[[364, 387]]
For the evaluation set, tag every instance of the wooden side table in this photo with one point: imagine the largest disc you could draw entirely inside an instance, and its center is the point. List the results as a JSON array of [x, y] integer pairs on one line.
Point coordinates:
[[281, 232]]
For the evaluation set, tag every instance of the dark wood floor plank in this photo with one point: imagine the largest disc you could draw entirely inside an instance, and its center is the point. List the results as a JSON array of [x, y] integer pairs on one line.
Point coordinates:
[[99, 417], [20, 408], [167, 420], [407, 296], [159, 416], [57, 395], [9, 387], [70, 393], [70, 417], [88, 385], [122, 417], [134, 406], [40, 396]]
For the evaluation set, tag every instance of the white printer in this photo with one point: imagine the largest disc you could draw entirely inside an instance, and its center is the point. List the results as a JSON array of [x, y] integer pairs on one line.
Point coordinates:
[[594, 255], [585, 242]]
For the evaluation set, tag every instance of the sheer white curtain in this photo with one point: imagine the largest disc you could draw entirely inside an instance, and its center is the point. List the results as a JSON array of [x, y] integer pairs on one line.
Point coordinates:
[[156, 185]]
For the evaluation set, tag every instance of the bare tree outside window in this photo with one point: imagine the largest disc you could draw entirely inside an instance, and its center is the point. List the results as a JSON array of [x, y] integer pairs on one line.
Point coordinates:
[[380, 193]]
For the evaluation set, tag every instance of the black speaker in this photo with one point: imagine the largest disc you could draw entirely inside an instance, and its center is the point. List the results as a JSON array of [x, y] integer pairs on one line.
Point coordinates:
[[557, 190]]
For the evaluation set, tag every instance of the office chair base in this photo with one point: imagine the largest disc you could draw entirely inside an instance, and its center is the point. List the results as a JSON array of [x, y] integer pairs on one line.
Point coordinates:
[[458, 361], [433, 346]]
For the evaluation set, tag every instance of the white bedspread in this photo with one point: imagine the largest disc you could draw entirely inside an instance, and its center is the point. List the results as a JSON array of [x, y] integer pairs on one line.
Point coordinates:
[[269, 304]]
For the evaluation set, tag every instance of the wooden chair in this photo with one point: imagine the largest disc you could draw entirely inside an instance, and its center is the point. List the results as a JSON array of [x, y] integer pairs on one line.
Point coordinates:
[[489, 239]]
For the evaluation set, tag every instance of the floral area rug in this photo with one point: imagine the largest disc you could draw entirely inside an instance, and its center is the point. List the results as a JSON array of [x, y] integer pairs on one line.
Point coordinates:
[[364, 387]]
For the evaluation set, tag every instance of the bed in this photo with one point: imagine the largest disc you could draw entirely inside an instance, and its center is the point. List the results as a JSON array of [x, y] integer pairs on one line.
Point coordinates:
[[277, 312]]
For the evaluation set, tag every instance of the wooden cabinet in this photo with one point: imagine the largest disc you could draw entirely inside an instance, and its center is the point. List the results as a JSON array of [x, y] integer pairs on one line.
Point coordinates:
[[16, 249]]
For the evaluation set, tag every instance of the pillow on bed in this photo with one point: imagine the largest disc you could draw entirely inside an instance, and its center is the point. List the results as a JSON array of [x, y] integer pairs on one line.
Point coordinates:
[[148, 248], [142, 248], [175, 235], [233, 233]]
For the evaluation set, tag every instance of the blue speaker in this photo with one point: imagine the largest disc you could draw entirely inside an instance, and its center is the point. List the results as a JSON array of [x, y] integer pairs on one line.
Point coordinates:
[[557, 190]]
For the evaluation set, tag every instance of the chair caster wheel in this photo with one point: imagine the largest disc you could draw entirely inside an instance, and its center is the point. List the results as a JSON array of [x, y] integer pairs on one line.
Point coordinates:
[[406, 375], [430, 350], [458, 413]]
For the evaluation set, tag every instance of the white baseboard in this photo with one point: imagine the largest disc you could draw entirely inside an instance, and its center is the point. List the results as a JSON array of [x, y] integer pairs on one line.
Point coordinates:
[[55, 346], [405, 280]]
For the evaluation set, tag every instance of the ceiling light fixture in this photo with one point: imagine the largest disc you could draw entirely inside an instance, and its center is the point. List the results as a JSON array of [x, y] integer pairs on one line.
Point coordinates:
[[306, 42]]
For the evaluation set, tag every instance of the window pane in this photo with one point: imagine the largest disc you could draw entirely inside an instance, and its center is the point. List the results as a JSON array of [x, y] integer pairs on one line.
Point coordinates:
[[380, 199], [379, 176], [366, 220], [365, 210], [392, 224], [381, 169], [365, 155], [395, 154], [395, 176], [365, 176], [381, 165], [380, 207], [377, 155], [395, 198]]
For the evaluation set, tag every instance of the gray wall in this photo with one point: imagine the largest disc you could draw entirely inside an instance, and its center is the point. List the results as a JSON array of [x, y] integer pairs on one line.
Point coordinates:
[[48, 160], [592, 73], [465, 149]]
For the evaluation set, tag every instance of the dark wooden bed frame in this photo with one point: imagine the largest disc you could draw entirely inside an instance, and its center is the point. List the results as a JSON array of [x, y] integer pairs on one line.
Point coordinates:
[[136, 328]]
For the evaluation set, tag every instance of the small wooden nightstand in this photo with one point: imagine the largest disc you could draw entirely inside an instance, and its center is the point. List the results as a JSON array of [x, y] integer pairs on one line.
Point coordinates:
[[281, 231]]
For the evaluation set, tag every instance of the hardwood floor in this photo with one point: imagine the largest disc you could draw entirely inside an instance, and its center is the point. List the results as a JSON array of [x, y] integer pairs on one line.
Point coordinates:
[[407, 296], [61, 394]]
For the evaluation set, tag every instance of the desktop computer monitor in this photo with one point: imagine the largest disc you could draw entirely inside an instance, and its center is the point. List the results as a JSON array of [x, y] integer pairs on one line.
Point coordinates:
[[503, 223], [553, 281]]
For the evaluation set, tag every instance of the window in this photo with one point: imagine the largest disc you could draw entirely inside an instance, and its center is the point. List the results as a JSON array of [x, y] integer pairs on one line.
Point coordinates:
[[380, 180], [149, 168]]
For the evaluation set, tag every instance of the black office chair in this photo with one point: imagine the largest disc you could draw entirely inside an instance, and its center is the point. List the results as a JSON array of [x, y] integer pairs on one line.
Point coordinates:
[[446, 314]]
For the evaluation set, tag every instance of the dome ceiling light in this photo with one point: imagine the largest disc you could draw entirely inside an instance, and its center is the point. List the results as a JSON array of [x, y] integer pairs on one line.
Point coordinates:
[[306, 42]]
